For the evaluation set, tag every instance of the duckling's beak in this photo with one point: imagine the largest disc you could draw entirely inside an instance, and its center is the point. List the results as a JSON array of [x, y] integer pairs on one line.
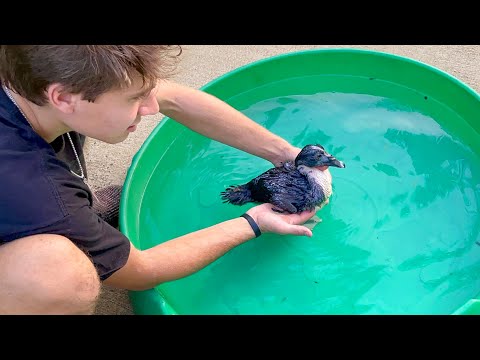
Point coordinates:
[[330, 160]]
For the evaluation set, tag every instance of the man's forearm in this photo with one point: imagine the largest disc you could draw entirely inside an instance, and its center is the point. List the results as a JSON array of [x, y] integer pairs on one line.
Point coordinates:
[[192, 252], [181, 256], [217, 120]]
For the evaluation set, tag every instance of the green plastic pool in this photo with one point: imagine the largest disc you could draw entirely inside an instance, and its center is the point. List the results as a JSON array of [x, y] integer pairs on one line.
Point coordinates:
[[401, 232]]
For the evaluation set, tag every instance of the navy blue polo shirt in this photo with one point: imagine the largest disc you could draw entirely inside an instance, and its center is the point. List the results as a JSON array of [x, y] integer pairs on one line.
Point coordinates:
[[39, 194]]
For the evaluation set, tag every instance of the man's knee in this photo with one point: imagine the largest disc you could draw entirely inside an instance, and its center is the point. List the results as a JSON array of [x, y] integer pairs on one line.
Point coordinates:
[[46, 274]]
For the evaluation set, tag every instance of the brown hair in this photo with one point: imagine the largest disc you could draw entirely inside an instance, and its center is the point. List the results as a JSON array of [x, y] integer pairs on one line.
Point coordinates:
[[89, 70]]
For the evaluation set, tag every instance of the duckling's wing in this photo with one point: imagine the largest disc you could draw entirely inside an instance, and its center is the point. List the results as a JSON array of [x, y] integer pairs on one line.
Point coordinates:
[[279, 182]]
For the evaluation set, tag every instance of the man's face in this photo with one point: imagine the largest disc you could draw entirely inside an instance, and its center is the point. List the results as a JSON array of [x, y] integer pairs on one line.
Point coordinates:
[[114, 114]]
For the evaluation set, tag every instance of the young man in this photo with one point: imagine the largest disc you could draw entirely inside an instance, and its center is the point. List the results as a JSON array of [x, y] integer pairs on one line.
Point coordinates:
[[55, 245]]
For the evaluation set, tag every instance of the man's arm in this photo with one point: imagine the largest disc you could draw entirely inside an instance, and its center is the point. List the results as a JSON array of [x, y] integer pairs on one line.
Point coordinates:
[[212, 117], [190, 253]]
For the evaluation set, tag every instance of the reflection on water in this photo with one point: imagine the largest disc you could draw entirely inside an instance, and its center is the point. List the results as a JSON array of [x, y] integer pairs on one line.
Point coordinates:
[[399, 235]]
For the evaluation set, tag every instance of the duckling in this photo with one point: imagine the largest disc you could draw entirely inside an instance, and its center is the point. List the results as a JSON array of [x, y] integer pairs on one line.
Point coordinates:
[[299, 185]]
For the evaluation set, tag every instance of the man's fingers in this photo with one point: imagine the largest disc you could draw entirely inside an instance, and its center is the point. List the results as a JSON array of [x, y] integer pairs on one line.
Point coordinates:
[[299, 230]]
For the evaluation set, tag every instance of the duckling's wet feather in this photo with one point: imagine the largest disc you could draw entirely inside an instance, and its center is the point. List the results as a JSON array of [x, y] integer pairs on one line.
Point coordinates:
[[291, 188]]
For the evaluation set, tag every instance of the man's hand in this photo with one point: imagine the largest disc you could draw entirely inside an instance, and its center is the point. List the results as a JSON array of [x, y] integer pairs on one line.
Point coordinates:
[[289, 155], [270, 221]]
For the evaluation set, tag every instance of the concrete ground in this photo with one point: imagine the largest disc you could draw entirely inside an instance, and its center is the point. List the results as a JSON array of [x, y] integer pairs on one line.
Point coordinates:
[[108, 164]]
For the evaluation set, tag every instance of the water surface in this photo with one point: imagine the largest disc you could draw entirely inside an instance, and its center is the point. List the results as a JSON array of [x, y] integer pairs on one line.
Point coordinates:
[[401, 232]]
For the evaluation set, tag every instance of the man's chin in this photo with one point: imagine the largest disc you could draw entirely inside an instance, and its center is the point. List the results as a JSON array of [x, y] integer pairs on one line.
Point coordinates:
[[115, 140]]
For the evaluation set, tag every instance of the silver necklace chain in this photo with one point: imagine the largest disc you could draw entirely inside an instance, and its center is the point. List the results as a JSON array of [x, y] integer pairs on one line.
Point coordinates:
[[82, 174]]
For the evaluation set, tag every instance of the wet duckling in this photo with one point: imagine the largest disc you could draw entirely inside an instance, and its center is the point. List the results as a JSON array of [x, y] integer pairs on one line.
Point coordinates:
[[303, 184]]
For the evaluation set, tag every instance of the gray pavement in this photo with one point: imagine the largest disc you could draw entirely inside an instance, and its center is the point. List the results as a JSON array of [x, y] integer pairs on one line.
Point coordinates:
[[108, 164]]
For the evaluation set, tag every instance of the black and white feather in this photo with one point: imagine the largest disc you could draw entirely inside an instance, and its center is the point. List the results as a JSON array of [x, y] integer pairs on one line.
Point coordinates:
[[294, 187]]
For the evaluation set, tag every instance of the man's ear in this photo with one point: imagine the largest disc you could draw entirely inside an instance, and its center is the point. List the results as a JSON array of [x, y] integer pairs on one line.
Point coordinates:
[[62, 99]]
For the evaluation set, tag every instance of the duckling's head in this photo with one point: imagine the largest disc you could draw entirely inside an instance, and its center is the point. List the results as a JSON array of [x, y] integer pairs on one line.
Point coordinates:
[[316, 156]]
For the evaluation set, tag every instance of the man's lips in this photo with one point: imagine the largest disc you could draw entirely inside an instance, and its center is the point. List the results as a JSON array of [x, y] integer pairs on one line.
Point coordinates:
[[133, 126]]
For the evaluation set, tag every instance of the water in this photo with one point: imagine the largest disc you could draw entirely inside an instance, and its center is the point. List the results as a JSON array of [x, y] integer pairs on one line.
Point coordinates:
[[399, 236]]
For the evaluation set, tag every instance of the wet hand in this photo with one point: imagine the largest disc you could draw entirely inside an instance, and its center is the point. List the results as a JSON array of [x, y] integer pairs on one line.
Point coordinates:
[[270, 221]]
